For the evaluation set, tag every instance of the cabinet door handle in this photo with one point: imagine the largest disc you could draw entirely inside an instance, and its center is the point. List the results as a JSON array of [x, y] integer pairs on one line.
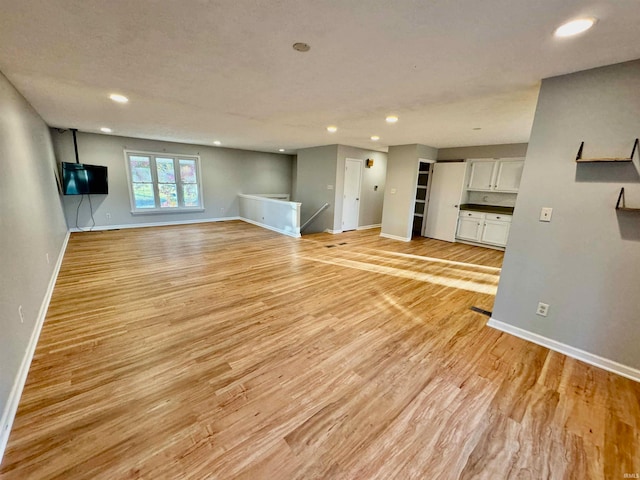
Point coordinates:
[[497, 218]]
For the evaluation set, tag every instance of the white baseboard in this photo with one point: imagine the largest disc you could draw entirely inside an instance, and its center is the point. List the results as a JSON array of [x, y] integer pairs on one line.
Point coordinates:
[[9, 413], [151, 224], [568, 350], [269, 227], [333, 232], [395, 237], [367, 227]]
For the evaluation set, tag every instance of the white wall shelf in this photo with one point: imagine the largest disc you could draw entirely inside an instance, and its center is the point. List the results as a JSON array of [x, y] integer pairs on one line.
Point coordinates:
[[579, 158], [623, 207]]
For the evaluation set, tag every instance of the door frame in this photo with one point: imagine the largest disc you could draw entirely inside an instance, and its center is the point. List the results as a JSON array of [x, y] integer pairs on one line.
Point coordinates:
[[344, 183]]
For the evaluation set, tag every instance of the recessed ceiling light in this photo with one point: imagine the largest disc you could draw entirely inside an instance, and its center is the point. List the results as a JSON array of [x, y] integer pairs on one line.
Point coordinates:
[[574, 27], [281, 149], [217, 142], [375, 138], [391, 119], [116, 97], [477, 128], [301, 47], [106, 130], [332, 129]]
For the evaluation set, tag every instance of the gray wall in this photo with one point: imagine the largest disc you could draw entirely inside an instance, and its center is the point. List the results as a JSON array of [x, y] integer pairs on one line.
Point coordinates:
[[483, 151], [371, 200], [316, 169], [586, 263], [225, 173], [402, 175], [31, 226]]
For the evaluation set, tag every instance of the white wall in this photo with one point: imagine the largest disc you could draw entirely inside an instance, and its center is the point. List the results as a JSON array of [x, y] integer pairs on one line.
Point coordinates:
[[225, 173], [402, 175], [31, 226], [586, 263]]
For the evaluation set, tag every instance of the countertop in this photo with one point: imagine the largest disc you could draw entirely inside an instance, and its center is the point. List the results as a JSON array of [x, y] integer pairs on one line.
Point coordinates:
[[476, 207]]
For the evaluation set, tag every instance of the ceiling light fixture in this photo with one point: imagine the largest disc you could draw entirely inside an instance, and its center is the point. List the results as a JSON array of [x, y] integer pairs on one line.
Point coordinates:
[[332, 129], [106, 130], [477, 128], [574, 27], [375, 138], [391, 119], [116, 97], [217, 142], [281, 149], [301, 47]]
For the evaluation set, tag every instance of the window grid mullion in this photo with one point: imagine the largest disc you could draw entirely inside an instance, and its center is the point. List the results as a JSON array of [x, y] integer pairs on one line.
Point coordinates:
[[154, 177], [176, 168]]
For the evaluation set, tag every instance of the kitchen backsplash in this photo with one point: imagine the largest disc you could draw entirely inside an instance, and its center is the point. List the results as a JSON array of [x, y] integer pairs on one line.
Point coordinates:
[[488, 198]]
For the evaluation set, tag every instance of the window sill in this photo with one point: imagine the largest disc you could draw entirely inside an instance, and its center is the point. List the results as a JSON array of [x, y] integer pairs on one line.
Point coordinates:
[[163, 211]]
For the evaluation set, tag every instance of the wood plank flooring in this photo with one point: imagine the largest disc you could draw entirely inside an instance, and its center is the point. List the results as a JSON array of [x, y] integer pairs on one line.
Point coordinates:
[[224, 351]]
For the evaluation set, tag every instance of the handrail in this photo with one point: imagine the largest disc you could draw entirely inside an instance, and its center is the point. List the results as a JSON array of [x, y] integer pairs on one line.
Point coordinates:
[[320, 210]]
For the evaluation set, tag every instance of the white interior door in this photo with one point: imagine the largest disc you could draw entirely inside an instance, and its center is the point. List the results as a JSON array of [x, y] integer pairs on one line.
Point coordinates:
[[447, 183], [351, 200]]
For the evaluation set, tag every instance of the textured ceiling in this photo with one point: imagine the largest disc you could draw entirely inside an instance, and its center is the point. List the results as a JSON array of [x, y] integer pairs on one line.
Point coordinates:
[[197, 70]]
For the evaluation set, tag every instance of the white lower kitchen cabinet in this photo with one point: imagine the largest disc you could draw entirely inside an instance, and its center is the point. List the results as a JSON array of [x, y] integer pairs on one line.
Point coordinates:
[[470, 225], [484, 228], [495, 232]]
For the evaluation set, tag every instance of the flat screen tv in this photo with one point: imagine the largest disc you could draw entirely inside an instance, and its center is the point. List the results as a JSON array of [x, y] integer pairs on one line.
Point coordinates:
[[82, 179]]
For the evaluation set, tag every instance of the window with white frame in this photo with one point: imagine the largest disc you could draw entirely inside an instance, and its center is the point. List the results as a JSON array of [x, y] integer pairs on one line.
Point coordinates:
[[164, 182]]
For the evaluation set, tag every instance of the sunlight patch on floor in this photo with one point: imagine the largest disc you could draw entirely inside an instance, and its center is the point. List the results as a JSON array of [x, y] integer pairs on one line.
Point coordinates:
[[441, 260], [437, 279]]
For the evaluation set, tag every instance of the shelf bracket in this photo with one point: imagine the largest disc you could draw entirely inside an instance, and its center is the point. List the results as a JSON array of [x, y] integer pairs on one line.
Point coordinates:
[[579, 155], [636, 146], [621, 197]]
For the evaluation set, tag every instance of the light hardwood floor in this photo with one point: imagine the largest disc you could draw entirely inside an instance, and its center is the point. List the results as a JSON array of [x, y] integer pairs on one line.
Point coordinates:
[[220, 351]]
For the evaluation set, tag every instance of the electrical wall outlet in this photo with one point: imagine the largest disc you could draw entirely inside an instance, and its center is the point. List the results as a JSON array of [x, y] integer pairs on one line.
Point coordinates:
[[48, 261], [543, 309], [108, 216]]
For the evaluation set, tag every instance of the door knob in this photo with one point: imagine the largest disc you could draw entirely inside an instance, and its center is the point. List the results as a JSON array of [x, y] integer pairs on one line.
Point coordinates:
[[456, 206], [358, 199]]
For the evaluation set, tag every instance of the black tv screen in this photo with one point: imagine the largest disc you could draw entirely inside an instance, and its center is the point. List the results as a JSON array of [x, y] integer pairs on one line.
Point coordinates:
[[81, 179]]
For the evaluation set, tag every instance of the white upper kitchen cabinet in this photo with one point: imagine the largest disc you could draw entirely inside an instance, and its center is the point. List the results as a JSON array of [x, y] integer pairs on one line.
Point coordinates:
[[508, 175], [499, 175], [481, 175]]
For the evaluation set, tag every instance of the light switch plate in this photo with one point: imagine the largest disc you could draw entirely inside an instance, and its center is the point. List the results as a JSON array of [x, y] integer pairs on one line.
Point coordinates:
[[329, 187], [545, 214], [393, 191]]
